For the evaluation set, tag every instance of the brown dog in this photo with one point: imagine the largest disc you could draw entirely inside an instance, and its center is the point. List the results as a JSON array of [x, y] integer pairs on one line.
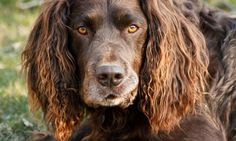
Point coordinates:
[[135, 70]]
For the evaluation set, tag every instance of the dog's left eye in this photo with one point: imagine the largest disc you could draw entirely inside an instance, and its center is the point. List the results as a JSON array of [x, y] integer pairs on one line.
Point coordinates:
[[82, 30], [133, 28]]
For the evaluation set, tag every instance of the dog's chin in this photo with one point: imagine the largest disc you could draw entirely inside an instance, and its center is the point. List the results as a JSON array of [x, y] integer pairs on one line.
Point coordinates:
[[95, 95], [116, 102], [123, 101]]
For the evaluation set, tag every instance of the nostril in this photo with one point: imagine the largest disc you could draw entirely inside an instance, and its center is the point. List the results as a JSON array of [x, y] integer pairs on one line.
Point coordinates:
[[117, 79], [109, 75], [103, 79], [103, 76], [118, 76]]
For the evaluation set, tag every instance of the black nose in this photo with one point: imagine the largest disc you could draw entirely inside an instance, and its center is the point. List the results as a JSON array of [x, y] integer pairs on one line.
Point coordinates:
[[109, 75]]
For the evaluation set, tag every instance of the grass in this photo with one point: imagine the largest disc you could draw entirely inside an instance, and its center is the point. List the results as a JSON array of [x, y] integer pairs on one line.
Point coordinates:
[[16, 122]]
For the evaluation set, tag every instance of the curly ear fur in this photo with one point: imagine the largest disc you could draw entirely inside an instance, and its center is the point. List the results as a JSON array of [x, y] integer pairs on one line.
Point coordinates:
[[190, 9], [50, 67], [174, 68]]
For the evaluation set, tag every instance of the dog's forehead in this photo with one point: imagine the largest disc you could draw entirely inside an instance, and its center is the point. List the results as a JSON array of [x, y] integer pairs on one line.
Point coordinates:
[[104, 5]]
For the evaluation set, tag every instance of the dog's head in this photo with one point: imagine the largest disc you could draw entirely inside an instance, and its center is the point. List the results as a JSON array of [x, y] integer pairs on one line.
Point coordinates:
[[107, 39], [106, 53]]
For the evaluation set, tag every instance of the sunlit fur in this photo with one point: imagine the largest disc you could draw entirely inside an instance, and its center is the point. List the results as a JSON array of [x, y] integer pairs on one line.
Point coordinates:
[[218, 28], [52, 82], [172, 84], [172, 78]]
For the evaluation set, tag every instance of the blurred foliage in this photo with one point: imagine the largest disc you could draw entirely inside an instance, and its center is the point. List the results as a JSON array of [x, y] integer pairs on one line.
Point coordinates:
[[227, 5], [16, 122]]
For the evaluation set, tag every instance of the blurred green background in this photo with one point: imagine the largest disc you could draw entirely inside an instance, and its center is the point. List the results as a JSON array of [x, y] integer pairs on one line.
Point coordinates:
[[16, 20]]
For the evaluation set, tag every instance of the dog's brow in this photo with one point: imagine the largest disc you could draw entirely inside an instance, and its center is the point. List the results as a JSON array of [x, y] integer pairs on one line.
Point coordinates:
[[89, 18], [125, 18]]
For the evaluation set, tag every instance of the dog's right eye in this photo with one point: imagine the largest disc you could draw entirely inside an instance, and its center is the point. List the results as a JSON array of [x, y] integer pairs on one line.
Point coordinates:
[[82, 30], [132, 28]]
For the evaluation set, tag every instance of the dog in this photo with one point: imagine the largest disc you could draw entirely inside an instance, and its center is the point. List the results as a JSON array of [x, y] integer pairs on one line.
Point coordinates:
[[127, 70]]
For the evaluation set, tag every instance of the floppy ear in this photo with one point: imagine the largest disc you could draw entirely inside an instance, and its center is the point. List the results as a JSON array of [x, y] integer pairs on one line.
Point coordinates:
[[51, 70], [174, 67]]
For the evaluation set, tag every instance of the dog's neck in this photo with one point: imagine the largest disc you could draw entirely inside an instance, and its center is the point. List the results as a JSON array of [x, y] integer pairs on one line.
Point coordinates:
[[117, 122]]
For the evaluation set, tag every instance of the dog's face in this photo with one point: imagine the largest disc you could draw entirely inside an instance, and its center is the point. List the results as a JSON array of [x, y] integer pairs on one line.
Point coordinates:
[[101, 52], [107, 41]]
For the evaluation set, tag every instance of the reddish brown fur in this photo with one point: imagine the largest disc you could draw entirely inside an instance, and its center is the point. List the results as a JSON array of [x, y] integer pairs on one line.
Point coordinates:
[[172, 70], [53, 87], [181, 85], [218, 28]]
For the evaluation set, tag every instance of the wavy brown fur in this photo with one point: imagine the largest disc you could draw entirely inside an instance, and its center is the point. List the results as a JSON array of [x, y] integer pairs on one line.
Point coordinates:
[[174, 69], [224, 89], [51, 86], [172, 78], [219, 29]]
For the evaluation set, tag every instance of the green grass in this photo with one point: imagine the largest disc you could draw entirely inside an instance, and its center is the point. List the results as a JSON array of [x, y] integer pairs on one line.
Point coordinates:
[[16, 122]]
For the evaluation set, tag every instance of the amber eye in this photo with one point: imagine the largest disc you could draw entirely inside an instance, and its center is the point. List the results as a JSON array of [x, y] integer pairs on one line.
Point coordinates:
[[82, 30], [132, 28]]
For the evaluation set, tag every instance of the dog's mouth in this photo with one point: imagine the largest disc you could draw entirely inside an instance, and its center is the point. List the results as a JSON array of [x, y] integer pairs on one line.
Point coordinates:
[[123, 95], [111, 96]]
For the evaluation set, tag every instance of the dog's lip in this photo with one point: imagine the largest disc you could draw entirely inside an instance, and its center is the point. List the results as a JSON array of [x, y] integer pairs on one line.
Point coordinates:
[[111, 96]]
